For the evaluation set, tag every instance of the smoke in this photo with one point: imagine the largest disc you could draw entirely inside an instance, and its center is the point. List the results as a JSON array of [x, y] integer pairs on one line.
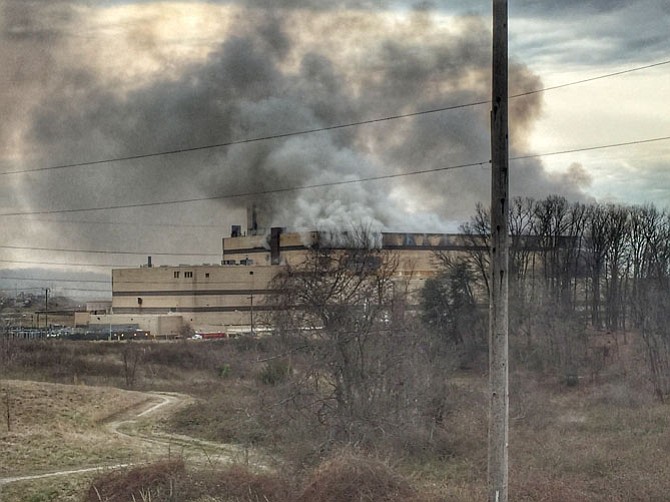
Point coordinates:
[[252, 72]]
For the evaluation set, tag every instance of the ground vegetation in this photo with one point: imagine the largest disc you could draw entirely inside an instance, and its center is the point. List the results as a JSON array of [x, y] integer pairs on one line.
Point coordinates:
[[367, 392]]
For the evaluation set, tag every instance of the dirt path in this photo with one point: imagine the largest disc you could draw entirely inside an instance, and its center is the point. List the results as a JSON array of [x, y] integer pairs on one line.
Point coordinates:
[[139, 426]]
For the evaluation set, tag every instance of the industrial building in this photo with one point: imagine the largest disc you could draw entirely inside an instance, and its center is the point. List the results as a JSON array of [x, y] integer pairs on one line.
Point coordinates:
[[225, 297]]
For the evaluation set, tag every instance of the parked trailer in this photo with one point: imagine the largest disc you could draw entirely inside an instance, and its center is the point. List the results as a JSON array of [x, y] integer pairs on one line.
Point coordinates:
[[210, 336]]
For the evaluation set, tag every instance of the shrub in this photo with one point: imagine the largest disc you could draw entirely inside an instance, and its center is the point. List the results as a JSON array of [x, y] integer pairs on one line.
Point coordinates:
[[239, 484], [275, 372], [224, 371], [348, 477], [169, 481], [156, 482], [177, 355]]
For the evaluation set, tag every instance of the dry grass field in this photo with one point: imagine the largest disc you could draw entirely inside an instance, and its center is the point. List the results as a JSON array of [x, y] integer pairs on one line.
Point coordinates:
[[603, 443], [605, 439], [61, 426], [57, 427]]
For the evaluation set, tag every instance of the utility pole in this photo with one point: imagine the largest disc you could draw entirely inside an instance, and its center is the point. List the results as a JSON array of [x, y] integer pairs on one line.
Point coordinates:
[[46, 311], [251, 313], [251, 300], [498, 479]]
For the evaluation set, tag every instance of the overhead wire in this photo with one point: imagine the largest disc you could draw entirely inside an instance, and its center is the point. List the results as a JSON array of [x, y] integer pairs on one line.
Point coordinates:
[[52, 279], [64, 264], [592, 148], [286, 189], [323, 128], [101, 251], [128, 223], [425, 171], [245, 140], [59, 288], [343, 182], [324, 184], [591, 79]]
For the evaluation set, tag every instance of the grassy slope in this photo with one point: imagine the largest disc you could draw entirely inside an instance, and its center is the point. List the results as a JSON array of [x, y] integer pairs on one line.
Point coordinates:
[[56, 426], [606, 440]]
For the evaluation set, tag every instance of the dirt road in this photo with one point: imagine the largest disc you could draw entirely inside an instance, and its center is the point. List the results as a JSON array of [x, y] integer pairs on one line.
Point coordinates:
[[140, 427]]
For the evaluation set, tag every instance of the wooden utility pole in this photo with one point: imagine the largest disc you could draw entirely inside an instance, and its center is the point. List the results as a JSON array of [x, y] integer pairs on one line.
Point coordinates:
[[46, 311], [498, 322]]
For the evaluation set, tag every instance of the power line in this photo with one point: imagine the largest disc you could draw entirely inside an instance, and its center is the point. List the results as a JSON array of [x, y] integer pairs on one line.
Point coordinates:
[[242, 194], [280, 190], [321, 129], [51, 279], [24, 289], [246, 140], [108, 281], [128, 224], [64, 264], [320, 185], [591, 79], [591, 148], [86, 290], [100, 251]]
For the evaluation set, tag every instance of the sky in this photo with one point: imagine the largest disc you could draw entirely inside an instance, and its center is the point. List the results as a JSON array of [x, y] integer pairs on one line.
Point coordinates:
[[83, 82]]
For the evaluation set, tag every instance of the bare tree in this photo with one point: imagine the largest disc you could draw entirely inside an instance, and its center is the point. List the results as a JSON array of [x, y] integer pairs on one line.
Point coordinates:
[[8, 408], [650, 251], [552, 221], [575, 264], [573, 254], [656, 335], [597, 241], [521, 226], [645, 238], [338, 308], [451, 311], [618, 230], [131, 356], [477, 233]]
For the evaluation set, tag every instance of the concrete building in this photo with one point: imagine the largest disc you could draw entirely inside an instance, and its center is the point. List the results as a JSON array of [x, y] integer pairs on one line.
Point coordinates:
[[226, 297], [114, 325], [205, 297]]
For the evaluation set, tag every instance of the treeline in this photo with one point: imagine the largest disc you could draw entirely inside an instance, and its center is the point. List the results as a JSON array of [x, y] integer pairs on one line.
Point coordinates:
[[356, 364], [577, 266]]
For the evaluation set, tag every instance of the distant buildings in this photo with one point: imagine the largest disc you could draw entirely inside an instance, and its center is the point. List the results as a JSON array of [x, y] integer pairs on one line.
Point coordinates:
[[226, 296]]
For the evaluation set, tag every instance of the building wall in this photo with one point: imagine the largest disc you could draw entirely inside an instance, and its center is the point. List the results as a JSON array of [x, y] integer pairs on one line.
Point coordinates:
[[215, 297], [99, 307], [158, 325], [81, 319], [416, 251], [206, 296]]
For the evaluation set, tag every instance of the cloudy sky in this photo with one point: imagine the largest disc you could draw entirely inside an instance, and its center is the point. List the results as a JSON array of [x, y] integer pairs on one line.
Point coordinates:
[[85, 81]]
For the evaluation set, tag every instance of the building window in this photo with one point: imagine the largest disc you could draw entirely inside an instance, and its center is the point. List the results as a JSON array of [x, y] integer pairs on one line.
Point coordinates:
[[176, 274], [188, 275], [207, 275]]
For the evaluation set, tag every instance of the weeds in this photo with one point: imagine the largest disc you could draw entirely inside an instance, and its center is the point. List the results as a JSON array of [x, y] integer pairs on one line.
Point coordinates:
[[275, 372], [8, 408], [346, 477], [600, 441], [151, 483]]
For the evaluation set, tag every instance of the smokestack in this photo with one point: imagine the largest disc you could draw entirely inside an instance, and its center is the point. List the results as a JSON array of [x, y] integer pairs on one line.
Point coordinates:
[[252, 220], [275, 233]]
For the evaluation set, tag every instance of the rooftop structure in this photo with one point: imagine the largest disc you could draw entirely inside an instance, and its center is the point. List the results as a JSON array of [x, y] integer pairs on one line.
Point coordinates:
[[220, 297]]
